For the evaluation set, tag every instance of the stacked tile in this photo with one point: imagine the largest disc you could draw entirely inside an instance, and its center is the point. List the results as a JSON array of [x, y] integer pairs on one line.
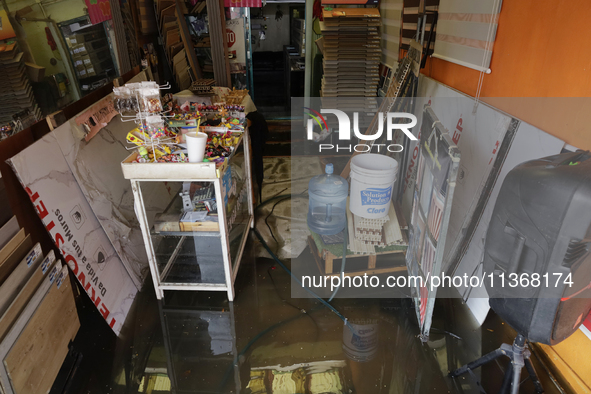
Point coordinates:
[[369, 229], [366, 234], [351, 52], [16, 93]]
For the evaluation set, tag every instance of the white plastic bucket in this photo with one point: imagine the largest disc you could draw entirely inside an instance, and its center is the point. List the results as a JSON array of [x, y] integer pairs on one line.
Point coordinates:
[[360, 341], [372, 184]]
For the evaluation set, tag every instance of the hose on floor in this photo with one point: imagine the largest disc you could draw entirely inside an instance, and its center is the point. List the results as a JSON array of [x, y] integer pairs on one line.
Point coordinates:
[[323, 303]]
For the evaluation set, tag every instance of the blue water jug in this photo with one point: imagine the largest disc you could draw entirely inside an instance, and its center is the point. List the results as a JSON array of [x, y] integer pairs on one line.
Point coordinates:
[[328, 202]]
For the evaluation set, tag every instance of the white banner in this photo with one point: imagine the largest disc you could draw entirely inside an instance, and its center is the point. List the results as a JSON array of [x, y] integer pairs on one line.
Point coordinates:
[[69, 219]]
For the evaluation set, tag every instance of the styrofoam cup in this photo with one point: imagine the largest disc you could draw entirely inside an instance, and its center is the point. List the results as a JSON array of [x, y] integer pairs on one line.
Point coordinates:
[[196, 142]]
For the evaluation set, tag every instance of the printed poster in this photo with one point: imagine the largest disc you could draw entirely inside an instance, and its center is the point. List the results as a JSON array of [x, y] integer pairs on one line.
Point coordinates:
[[69, 219], [236, 44]]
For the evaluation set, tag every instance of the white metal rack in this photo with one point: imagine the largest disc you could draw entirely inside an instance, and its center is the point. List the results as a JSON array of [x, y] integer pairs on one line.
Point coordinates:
[[232, 236]]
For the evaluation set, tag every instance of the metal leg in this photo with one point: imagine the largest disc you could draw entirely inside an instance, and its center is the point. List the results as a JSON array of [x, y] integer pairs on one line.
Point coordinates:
[[519, 357], [515, 378], [533, 376], [143, 220], [477, 363], [227, 258], [507, 379], [517, 361]]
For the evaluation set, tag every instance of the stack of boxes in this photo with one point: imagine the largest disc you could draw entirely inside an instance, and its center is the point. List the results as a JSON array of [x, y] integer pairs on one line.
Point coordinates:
[[298, 35], [90, 53], [17, 102], [352, 52]]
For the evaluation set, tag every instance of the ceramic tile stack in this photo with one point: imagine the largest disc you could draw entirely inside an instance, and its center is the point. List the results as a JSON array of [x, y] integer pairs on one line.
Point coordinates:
[[366, 234], [16, 94], [351, 52]]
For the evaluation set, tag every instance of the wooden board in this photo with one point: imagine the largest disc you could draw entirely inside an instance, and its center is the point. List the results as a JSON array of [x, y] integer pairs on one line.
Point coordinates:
[[186, 39], [36, 357], [170, 222], [24, 296], [325, 262], [19, 277], [11, 245], [162, 4], [15, 257], [9, 230], [172, 37]]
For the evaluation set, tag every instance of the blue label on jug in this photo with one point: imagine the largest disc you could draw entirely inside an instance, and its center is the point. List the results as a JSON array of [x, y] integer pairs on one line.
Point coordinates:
[[375, 196]]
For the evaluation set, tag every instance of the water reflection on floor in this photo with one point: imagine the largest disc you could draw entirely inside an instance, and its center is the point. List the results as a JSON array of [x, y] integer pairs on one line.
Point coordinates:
[[267, 342]]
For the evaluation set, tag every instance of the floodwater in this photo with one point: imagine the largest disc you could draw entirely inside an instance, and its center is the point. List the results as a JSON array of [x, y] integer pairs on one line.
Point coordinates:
[[268, 342]]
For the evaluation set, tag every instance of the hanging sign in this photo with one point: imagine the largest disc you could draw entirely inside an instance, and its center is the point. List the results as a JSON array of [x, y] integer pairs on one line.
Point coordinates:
[[97, 117], [236, 44], [98, 10]]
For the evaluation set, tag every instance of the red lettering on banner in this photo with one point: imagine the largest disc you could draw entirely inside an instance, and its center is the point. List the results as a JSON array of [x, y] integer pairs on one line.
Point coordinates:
[[42, 210], [82, 279], [70, 260], [93, 297], [494, 152], [458, 131], [58, 238], [104, 311], [415, 154]]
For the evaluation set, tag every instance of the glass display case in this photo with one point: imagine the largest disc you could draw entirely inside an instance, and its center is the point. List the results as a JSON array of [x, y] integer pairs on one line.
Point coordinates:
[[196, 246]]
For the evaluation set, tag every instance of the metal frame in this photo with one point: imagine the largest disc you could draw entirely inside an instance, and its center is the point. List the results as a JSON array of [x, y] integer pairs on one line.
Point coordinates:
[[230, 272], [433, 134]]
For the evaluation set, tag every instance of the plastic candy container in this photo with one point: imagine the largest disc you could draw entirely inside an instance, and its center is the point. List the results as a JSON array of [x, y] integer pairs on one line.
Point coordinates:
[[124, 100], [150, 100], [155, 126]]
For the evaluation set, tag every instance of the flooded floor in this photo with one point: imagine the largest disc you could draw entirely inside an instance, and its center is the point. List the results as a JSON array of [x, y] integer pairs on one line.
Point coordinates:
[[268, 342]]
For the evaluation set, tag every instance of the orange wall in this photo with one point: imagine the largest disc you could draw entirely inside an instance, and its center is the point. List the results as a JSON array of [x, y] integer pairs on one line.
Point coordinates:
[[541, 50]]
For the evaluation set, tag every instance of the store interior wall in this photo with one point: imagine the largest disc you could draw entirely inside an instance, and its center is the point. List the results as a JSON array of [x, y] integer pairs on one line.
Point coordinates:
[[58, 11], [277, 32], [539, 51]]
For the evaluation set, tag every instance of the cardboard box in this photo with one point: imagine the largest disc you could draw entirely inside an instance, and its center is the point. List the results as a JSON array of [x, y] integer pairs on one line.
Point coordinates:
[[82, 73], [90, 72], [86, 61], [79, 50]]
